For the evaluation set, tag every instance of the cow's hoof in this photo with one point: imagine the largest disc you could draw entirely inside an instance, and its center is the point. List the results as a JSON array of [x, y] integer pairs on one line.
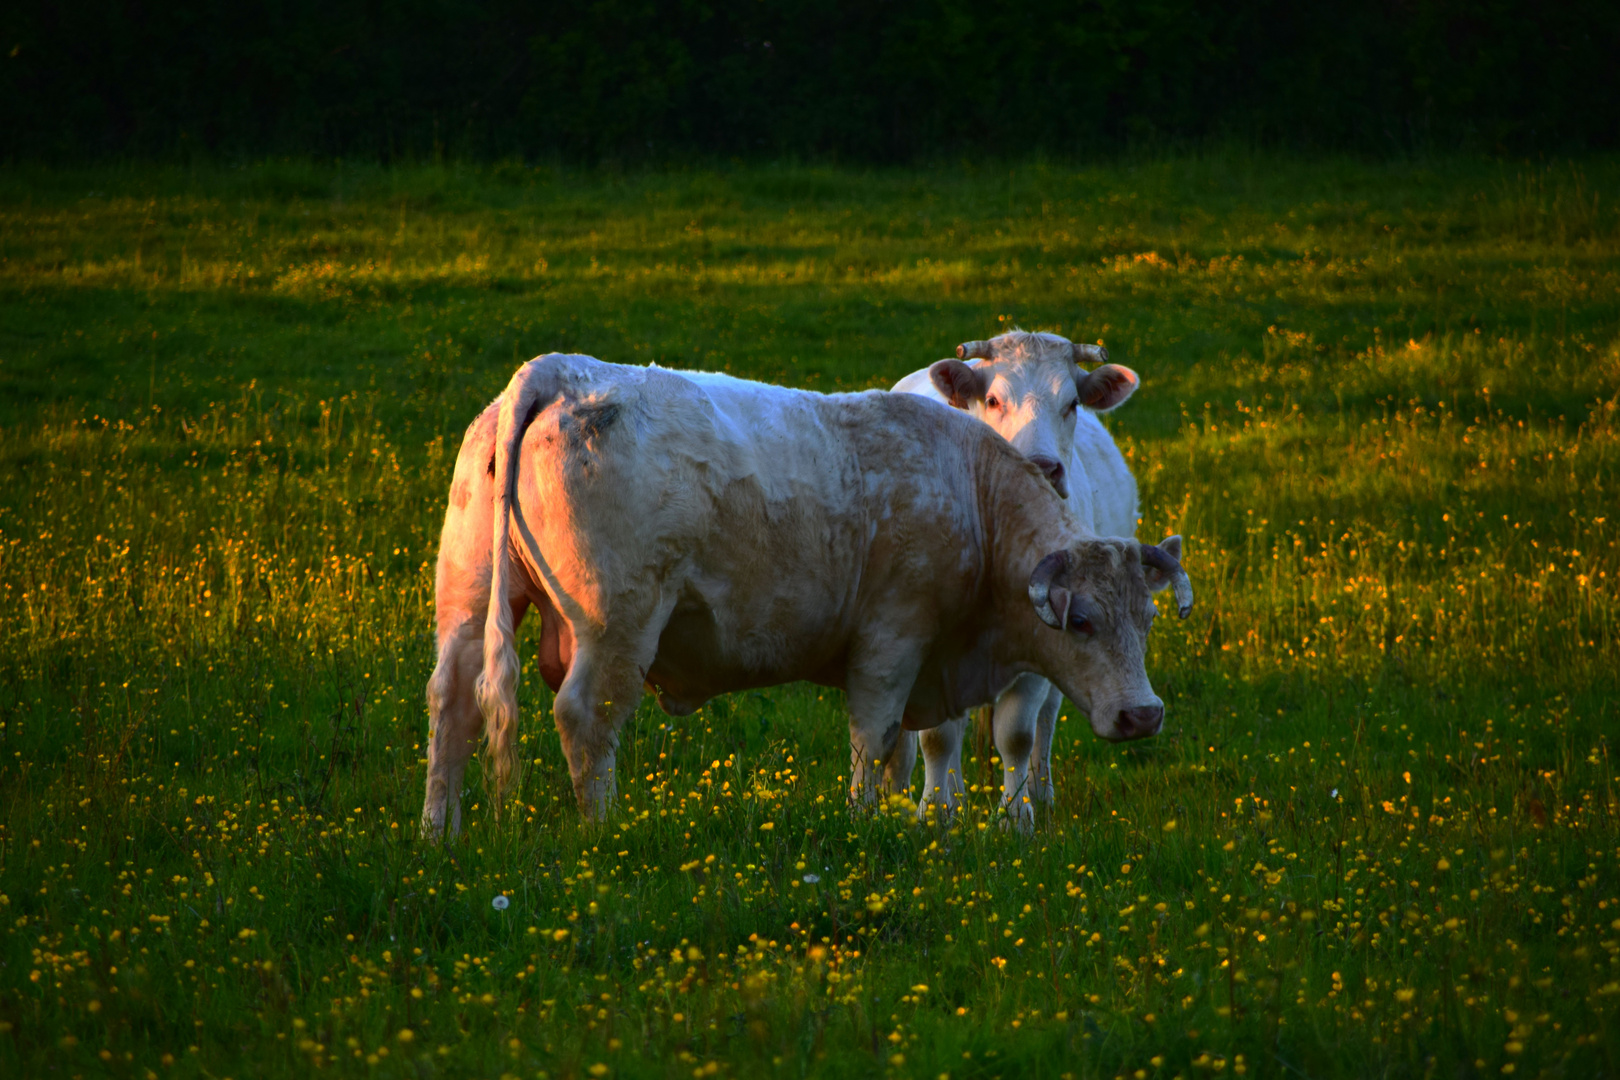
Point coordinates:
[[434, 815], [929, 811], [1019, 818]]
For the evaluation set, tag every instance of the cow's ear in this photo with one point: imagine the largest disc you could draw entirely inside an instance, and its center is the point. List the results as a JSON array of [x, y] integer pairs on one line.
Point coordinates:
[[1107, 387], [960, 384]]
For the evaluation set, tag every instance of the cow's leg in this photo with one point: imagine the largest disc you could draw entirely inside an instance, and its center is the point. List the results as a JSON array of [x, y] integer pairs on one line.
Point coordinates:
[[600, 693], [942, 768], [461, 588], [1014, 728], [878, 685], [603, 687], [901, 764], [872, 738], [454, 725], [1040, 765], [455, 722]]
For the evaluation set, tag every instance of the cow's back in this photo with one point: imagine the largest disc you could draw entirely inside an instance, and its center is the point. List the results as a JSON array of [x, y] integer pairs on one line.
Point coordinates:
[[754, 514]]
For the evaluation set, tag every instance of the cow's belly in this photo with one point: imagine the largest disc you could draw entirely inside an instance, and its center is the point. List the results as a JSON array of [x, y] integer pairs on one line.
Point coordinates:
[[706, 649]]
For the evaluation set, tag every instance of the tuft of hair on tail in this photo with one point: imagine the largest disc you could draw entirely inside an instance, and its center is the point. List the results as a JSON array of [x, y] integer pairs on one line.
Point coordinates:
[[496, 689]]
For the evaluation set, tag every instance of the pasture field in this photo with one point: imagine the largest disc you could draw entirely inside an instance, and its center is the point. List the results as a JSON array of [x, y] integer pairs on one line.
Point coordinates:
[[1378, 836]]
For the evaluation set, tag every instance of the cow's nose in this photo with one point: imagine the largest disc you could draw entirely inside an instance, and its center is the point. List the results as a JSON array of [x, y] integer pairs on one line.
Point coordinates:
[[1140, 722], [1053, 468]]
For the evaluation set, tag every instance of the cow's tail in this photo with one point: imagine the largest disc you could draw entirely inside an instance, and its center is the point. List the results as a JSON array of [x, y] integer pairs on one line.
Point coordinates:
[[533, 384]]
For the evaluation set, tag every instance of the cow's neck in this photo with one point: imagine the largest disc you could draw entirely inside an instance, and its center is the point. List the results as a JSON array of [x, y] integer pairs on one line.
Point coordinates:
[[1024, 520], [1020, 519]]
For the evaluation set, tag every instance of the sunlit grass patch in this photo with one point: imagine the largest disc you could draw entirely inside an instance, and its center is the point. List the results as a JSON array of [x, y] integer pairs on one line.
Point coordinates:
[[1377, 835]]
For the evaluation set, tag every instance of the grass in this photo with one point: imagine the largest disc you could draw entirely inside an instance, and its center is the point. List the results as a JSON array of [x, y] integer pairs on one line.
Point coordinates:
[[1379, 834]]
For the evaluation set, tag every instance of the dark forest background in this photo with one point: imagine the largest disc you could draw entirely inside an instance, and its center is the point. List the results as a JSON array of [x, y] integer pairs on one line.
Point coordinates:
[[854, 80]]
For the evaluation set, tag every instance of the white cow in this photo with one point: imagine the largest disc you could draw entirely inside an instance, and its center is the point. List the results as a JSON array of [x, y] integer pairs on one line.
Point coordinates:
[[704, 535], [1031, 389]]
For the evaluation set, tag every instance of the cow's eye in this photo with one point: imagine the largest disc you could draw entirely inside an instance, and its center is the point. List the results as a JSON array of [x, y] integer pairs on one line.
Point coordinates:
[[1083, 626], [1069, 409], [993, 402]]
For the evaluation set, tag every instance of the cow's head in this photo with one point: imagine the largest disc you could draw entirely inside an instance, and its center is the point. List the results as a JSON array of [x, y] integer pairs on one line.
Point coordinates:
[[1096, 601], [1028, 386]]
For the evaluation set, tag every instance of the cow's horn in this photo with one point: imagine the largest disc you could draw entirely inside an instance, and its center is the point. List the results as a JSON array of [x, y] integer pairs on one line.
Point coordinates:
[[1163, 562], [973, 350], [1088, 354], [1040, 588]]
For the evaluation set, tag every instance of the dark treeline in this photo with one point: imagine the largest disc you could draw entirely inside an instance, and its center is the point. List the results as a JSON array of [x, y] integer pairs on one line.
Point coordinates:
[[863, 80]]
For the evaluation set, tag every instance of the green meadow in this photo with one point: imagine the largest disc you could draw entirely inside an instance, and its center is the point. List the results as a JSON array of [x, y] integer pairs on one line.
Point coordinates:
[[1379, 834]]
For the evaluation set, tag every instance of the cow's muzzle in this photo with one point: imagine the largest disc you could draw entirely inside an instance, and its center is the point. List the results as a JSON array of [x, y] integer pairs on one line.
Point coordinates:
[[1140, 722], [1055, 474]]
